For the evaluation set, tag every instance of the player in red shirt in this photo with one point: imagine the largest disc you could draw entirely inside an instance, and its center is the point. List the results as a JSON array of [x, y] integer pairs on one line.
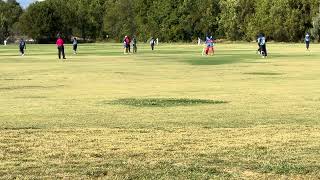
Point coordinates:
[[60, 45]]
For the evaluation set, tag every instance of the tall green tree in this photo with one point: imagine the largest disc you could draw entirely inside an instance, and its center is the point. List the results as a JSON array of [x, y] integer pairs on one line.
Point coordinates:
[[119, 18], [10, 12]]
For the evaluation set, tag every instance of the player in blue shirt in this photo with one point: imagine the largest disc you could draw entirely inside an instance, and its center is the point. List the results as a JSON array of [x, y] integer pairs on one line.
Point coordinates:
[[75, 45], [22, 46], [259, 47], [307, 40], [209, 45], [263, 46]]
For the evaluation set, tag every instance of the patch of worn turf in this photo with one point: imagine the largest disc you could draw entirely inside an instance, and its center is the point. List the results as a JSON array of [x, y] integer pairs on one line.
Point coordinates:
[[163, 102]]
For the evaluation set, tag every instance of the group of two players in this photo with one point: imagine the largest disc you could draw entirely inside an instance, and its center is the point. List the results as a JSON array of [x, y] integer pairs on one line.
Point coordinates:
[[127, 45], [263, 49], [60, 45]]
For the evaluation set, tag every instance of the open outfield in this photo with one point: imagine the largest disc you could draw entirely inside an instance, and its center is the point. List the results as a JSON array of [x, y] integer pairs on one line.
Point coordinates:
[[168, 114]]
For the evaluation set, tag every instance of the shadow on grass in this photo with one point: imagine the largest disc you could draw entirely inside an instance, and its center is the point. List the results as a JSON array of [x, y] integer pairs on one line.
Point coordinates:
[[10, 55], [12, 79], [162, 169], [264, 73], [221, 59], [232, 58], [162, 102], [28, 87], [101, 53], [31, 97], [30, 54], [285, 168], [20, 128], [293, 56]]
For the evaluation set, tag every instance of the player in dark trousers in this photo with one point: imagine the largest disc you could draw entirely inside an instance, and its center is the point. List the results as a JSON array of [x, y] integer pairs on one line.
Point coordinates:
[[60, 45], [259, 47], [129, 44], [22, 46], [126, 45], [152, 43], [263, 46], [75, 45], [307, 39], [134, 45]]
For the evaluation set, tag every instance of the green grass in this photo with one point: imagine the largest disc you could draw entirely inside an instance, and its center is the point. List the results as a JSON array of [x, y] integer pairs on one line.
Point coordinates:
[[167, 114]]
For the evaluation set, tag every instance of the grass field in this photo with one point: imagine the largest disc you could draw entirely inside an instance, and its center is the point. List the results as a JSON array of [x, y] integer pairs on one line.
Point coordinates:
[[167, 114]]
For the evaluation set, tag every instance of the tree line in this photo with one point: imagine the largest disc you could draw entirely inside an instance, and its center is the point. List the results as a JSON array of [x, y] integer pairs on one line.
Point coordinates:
[[168, 20]]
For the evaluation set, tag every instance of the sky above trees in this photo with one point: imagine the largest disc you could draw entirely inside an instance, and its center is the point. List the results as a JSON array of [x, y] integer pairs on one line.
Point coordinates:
[[25, 3]]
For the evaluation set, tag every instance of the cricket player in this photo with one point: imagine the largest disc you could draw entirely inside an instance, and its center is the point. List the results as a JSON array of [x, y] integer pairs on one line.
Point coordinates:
[[152, 43], [263, 46], [134, 45], [307, 40], [75, 45], [60, 45], [22, 46]]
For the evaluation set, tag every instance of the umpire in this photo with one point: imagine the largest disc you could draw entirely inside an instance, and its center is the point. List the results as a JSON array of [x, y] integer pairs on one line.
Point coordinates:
[[60, 45]]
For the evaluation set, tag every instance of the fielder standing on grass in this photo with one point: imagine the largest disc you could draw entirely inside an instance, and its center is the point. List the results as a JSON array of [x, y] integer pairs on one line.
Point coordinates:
[[152, 43], [60, 45], [263, 46], [75, 45], [134, 45], [209, 46], [259, 46], [129, 44], [22, 46], [307, 39], [126, 45]]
